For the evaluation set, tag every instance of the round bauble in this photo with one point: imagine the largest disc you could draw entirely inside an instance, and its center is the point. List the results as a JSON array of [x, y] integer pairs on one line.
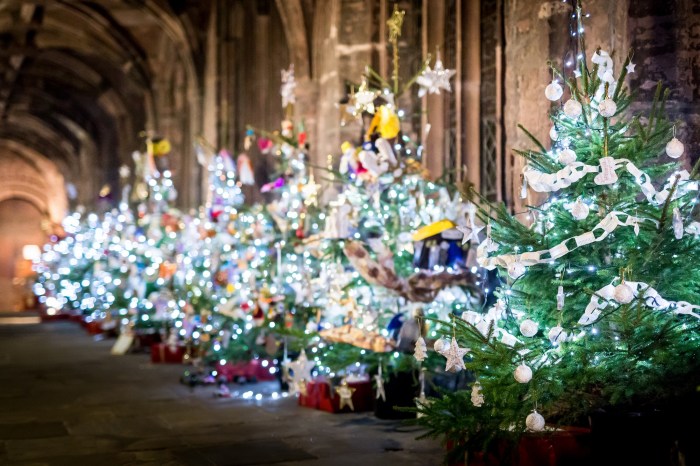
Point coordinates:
[[516, 270], [556, 335], [553, 91], [607, 108], [528, 328], [566, 156], [440, 345], [580, 210], [572, 108], [523, 374], [534, 421], [553, 135], [674, 148], [623, 293]]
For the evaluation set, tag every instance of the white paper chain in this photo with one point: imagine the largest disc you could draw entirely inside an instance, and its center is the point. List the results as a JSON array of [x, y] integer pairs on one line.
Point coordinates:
[[605, 297], [606, 226], [550, 182]]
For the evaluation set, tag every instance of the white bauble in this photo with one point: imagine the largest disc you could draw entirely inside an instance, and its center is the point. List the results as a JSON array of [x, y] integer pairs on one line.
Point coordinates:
[[580, 210], [567, 156], [556, 335], [440, 345], [523, 374], [607, 108], [528, 328], [534, 421], [623, 293], [674, 148], [516, 270], [572, 108], [553, 91]]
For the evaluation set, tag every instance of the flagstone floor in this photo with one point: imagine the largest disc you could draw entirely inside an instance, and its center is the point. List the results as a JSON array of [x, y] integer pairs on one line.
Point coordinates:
[[64, 400]]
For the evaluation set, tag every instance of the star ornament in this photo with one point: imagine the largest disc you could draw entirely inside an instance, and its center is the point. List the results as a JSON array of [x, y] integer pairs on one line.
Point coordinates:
[[363, 98], [431, 81], [380, 385], [345, 394], [455, 357], [630, 67], [301, 369]]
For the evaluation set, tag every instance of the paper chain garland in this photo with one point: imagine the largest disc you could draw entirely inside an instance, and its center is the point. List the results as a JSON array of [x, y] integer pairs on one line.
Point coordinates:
[[550, 182], [598, 233], [603, 297]]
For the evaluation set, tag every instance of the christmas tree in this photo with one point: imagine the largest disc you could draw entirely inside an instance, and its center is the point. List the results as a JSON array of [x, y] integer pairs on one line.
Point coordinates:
[[593, 310]]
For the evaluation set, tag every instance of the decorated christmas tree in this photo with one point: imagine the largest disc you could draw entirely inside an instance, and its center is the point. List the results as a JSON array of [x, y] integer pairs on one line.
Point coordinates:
[[597, 308]]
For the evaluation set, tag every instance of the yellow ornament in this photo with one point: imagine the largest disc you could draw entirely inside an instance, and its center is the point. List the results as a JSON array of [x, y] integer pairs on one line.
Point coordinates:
[[159, 147], [386, 122]]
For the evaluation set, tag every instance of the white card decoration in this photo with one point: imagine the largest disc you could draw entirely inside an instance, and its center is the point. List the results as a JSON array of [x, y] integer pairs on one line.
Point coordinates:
[[607, 173], [584, 239], [558, 251]]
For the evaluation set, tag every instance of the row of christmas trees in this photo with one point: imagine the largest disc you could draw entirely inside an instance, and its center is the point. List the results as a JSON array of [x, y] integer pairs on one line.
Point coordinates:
[[595, 304]]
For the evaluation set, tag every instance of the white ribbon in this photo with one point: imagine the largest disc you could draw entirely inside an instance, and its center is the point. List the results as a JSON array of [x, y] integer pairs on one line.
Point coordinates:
[[550, 182], [606, 226], [605, 297]]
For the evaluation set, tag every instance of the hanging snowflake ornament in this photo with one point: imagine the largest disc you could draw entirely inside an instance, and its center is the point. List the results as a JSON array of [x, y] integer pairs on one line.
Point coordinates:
[[431, 81], [573, 108], [677, 223], [455, 357], [522, 374], [607, 108], [534, 421], [674, 148], [420, 350], [477, 396], [553, 91]]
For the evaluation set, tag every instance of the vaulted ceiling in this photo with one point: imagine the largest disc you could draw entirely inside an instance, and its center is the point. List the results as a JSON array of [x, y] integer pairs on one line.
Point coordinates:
[[81, 81]]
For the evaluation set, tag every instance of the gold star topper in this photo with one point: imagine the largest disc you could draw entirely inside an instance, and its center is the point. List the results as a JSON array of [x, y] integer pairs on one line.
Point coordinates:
[[395, 23]]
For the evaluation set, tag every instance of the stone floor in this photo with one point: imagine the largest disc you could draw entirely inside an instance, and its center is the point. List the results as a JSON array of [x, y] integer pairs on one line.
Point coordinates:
[[64, 400]]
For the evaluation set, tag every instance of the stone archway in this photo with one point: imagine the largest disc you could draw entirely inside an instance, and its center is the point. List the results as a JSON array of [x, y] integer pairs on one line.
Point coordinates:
[[32, 205]]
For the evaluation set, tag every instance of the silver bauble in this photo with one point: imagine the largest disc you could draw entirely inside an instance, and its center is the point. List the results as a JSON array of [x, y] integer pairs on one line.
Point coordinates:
[[572, 108], [528, 328], [674, 148], [553, 135], [534, 421], [556, 335], [523, 374], [607, 108], [440, 345], [553, 91], [623, 293]]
